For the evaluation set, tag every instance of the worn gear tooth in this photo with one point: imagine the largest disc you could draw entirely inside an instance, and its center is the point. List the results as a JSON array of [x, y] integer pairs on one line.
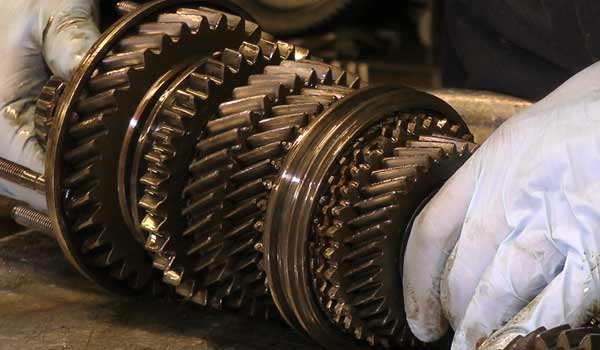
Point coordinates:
[[224, 158], [251, 53], [156, 243], [154, 177], [382, 214], [101, 101], [268, 151], [366, 297], [201, 84], [94, 241], [187, 288], [130, 59], [434, 153], [81, 199], [258, 170], [122, 271], [300, 99], [307, 75], [255, 103], [141, 42], [273, 90], [276, 135], [83, 152], [422, 161], [204, 202], [368, 281], [462, 146], [215, 69], [232, 59], [394, 173], [108, 257], [247, 190], [110, 80], [309, 108], [324, 73], [205, 182], [337, 91], [152, 222], [379, 201], [449, 148], [172, 29], [233, 121], [193, 22], [87, 220], [80, 176], [571, 338], [209, 220], [226, 139], [369, 267], [247, 207], [152, 200], [401, 184], [216, 19], [88, 126], [299, 120], [290, 81], [270, 50]]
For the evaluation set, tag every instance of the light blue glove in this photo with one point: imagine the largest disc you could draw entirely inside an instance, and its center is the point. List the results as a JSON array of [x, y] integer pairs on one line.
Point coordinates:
[[34, 35], [512, 241]]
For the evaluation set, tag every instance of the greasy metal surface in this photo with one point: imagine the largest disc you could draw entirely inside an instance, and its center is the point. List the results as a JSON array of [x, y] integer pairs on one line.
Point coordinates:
[[32, 219], [46, 305], [21, 175], [305, 178], [483, 111]]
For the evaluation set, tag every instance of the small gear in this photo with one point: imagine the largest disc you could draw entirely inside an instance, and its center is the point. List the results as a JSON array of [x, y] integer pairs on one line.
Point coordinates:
[[562, 337], [372, 194], [45, 108], [333, 254]]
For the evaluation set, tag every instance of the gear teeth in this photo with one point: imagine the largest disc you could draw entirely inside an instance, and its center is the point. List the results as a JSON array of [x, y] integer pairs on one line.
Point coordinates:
[[45, 107], [290, 81], [172, 29], [253, 103], [269, 150], [142, 42], [309, 108], [307, 75], [360, 214], [274, 91], [323, 71]]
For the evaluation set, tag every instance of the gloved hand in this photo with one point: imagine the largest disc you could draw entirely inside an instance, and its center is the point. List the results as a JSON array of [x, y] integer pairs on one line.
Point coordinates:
[[36, 35], [512, 241]]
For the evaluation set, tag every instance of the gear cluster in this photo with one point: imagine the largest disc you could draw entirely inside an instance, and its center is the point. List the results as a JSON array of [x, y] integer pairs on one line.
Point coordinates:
[[193, 154]]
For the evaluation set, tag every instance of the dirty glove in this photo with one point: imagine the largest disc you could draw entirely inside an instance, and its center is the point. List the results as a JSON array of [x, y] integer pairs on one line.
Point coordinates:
[[36, 35], [512, 241]]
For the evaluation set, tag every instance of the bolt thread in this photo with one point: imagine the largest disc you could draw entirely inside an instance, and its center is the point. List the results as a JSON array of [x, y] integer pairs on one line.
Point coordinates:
[[21, 175], [126, 7], [32, 219]]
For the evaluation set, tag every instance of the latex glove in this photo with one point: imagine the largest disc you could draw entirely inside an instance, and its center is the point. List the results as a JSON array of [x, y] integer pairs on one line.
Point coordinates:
[[512, 241], [36, 35]]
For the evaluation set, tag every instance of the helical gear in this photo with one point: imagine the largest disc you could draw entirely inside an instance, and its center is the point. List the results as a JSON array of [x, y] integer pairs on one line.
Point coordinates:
[[95, 233], [561, 337], [354, 248], [214, 261]]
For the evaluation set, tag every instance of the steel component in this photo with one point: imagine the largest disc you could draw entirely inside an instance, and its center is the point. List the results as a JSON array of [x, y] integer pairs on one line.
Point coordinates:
[[127, 7], [45, 108], [21, 175], [138, 51], [32, 219], [561, 337], [336, 222], [483, 111], [212, 259]]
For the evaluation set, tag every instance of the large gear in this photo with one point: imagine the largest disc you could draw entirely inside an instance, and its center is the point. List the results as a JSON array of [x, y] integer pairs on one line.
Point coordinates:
[[124, 73], [213, 260], [333, 254], [562, 337]]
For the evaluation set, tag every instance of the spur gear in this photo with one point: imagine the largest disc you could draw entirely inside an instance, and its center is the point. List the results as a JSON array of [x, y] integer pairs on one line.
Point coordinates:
[[561, 337], [45, 108], [213, 260], [123, 74], [337, 220]]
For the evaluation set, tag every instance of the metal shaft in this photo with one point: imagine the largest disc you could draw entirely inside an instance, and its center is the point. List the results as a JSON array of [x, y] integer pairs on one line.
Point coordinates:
[[21, 175], [32, 219], [126, 7]]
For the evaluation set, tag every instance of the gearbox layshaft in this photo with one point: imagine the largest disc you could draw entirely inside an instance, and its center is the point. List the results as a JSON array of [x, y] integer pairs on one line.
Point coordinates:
[[193, 153]]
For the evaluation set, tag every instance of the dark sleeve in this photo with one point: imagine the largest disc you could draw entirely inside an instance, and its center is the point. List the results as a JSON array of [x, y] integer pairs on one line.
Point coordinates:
[[524, 48]]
